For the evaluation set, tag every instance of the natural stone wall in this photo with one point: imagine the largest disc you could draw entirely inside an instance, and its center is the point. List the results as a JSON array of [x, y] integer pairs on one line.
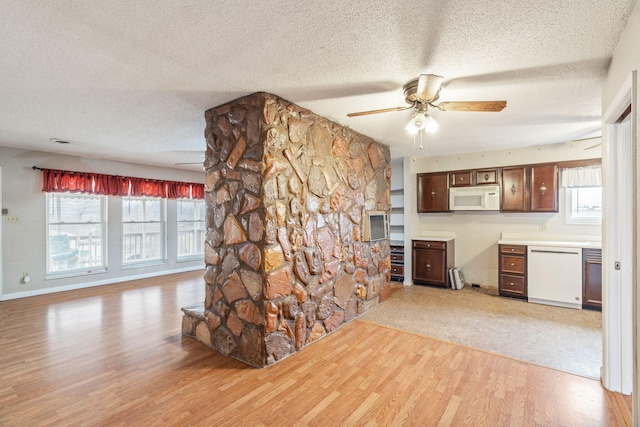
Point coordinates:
[[286, 192]]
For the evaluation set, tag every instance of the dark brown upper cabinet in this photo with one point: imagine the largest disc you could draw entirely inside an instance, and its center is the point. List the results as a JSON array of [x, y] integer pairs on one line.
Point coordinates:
[[460, 179], [433, 192], [514, 190], [530, 188], [544, 188]]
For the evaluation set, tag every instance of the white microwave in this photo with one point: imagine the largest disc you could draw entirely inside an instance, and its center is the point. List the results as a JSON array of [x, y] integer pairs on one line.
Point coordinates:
[[478, 198]]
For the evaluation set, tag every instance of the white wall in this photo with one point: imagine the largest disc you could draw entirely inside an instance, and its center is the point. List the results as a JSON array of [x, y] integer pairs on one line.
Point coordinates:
[[477, 233], [24, 243]]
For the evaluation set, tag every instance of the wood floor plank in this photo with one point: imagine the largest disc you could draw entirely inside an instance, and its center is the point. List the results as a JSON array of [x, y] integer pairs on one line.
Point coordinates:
[[113, 355]]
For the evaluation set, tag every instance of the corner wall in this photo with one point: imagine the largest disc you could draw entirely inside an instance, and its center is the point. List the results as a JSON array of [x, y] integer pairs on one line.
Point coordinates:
[[287, 195]]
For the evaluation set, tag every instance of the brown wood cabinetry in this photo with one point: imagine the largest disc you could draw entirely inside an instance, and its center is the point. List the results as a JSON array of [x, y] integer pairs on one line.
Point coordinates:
[[513, 271], [433, 192], [397, 263], [460, 179], [486, 176], [514, 190], [530, 189], [592, 278], [432, 261], [544, 188]]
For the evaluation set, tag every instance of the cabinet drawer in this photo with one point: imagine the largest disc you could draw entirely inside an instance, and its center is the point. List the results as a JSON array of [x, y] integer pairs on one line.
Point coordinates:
[[512, 264], [397, 249], [397, 258], [458, 179], [397, 270], [512, 249], [487, 176], [429, 244], [512, 284]]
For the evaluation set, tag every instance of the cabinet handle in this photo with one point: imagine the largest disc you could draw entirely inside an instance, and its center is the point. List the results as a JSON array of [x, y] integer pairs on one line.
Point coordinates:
[[461, 178], [433, 192], [543, 189], [486, 177], [513, 189], [511, 284], [428, 265], [512, 264], [513, 250]]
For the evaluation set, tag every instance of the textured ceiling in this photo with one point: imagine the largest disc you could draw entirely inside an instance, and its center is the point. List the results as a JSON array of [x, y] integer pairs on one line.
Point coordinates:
[[131, 79]]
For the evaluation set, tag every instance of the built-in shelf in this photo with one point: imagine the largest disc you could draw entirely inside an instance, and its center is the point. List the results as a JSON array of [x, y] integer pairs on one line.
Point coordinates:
[[396, 220]]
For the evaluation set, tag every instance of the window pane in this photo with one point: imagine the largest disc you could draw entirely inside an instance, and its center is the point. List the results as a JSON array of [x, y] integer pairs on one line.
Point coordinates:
[[76, 226], [191, 227], [142, 230], [586, 204]]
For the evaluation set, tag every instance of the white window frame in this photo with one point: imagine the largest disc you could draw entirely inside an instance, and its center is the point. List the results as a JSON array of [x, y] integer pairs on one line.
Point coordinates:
[[199, 233], [134, 263], [80, 269], [569, 218]]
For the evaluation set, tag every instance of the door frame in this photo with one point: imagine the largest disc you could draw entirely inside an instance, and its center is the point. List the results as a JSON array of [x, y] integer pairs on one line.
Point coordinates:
[[619, 307]]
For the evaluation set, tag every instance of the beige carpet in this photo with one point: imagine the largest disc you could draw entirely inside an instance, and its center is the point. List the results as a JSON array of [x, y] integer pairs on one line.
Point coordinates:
[[565, 339]]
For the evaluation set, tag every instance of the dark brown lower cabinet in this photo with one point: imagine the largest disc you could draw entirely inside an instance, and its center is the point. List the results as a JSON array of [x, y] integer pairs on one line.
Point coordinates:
[[513, 271], [592, 278], [432, 261], [397, 263]]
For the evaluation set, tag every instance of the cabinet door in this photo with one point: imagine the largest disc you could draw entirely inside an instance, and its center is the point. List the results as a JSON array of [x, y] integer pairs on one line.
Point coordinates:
[[433, 192], [460, 179], [486, 176], [544, 188], [514, 190], [429, 266], [592, 278]]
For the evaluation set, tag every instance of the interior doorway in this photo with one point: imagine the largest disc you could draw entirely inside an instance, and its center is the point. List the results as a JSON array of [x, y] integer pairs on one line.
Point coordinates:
[[619, 244]]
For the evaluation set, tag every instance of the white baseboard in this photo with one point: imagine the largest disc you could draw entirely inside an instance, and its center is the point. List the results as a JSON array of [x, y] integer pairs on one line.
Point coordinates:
[[76, 286]]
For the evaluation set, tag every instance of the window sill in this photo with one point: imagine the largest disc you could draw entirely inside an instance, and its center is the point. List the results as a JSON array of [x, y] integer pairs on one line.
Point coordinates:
[[142, 264], [75, 273], [198, 257]]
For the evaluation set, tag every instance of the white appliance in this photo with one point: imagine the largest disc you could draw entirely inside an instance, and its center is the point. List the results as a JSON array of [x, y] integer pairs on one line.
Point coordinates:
[[478, 198], [554, 276]]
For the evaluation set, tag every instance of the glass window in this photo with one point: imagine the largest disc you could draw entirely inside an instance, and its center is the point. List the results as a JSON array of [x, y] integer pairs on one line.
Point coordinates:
[[143, 230], [191, 228], [76, 230], [584, 205]]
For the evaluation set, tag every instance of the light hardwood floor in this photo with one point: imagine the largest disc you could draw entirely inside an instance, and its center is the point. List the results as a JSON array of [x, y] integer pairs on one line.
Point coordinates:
[[113, 355]]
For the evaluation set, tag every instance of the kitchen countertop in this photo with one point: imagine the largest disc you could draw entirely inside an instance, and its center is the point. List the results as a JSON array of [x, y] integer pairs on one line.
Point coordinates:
[[433, 238], [543, 239]]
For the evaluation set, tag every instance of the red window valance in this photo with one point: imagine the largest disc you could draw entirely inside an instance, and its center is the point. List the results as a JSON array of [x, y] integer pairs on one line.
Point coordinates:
[[55, 181]]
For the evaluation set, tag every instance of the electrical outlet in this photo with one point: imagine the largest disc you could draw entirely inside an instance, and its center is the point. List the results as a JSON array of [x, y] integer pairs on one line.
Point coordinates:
[[11, 218], [543, 227]]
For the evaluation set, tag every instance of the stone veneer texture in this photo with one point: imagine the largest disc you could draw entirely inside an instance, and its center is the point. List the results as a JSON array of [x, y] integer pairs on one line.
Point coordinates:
[[286, 193]]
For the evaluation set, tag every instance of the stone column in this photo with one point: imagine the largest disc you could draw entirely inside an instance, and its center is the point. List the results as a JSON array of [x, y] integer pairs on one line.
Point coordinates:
[[286, 192]]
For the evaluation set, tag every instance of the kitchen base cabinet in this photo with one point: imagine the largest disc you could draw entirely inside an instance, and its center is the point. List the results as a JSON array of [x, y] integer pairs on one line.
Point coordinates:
[[592, 278], [513, 271], [431, 261], [397, 263]]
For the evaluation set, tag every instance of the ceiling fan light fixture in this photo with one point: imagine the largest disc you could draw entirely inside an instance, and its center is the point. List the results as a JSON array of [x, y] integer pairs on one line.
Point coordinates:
[[421, 121]]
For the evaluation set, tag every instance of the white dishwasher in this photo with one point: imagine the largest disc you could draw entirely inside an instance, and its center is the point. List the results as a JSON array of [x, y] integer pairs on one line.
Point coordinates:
[[554, 276]]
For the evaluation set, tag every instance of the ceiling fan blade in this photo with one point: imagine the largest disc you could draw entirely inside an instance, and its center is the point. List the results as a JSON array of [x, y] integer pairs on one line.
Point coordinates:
[[489, 106], [428, 87], [384, 110]]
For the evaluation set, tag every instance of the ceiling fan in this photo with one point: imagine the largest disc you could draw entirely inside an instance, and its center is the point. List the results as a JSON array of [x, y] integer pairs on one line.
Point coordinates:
[[421, 93]]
